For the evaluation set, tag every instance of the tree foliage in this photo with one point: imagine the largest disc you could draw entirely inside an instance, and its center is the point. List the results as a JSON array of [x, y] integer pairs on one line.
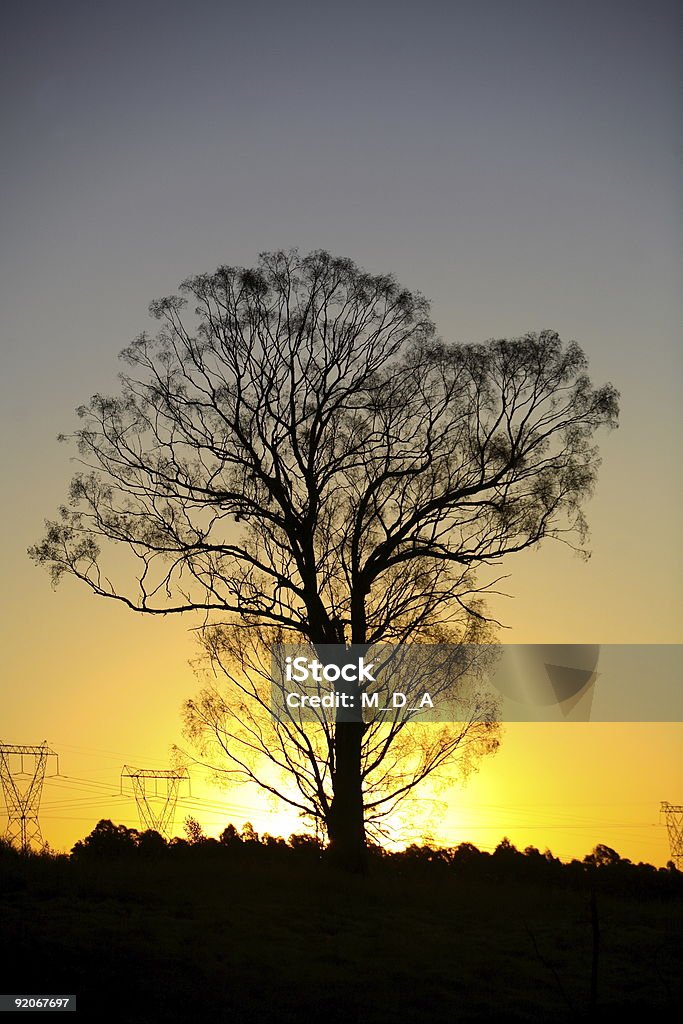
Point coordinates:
[[296, 453]]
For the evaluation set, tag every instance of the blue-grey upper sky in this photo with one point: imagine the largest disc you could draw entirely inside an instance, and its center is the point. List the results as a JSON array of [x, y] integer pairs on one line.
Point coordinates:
[[512, 159], [516, 161]]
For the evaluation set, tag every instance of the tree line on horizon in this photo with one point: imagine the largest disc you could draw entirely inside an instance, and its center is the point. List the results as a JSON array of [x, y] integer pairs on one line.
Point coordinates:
[[109, 842]]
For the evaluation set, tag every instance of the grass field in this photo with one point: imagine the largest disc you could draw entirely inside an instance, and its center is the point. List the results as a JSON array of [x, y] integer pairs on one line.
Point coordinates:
[[235, 940]]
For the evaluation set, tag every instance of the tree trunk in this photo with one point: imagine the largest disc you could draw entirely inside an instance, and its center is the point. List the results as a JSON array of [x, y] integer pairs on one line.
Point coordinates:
[[345, 824]]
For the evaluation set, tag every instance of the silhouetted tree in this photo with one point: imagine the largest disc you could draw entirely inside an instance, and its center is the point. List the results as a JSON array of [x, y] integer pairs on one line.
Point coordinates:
[[249, 833], [107, 840], [304, 457], [273, 842], [603, 857], [193, 830], [465, 855], [230, 836], [151, 843]]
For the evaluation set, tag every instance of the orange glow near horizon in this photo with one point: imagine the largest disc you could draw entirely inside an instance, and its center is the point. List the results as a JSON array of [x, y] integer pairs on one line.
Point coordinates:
[[518, 793], [110, 693]]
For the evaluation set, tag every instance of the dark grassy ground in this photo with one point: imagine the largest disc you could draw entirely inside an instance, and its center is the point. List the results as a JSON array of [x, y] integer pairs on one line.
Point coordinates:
[[236, 940]]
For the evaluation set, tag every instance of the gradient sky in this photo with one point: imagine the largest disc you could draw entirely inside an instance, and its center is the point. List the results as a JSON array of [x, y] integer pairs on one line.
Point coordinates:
[[519, 163]]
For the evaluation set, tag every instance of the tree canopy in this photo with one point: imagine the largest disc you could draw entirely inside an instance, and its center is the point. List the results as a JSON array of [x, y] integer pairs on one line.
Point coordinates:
[[296, 453]]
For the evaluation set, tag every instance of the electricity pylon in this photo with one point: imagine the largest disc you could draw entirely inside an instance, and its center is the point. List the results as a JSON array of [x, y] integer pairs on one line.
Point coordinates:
[[160, 820], [23, 803], [674, 825]]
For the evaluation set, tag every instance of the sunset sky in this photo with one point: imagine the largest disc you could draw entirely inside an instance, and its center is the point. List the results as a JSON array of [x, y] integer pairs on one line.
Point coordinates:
[[518, 163]]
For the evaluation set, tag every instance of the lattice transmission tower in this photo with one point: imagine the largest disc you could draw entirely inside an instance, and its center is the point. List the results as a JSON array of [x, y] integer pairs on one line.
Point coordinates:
[[23, 790], [156, 810], [674, 824]]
